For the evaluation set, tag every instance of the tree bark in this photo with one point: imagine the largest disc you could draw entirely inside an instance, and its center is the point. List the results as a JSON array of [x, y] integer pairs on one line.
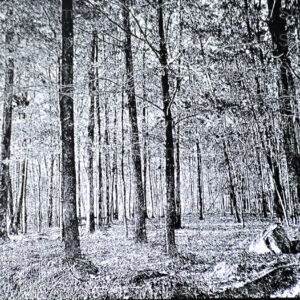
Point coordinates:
[[231, 185], [115, 206], [39, 213], [50, 202], [288, 104], [24, 200], [178, 200], [169, 156], [139, 213], [19, 202], [200, 199], [6, 134], [68, 184], [91, 133], [107, 165], [98, 114], [122, 169]]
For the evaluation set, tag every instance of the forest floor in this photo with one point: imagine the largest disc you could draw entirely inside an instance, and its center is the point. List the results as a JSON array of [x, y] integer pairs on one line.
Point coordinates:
[[213, 261]]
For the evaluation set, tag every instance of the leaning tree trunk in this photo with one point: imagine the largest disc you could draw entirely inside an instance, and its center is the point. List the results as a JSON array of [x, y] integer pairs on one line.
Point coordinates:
[[139, 212], [6, 135], [68, 184], [24, 200], [169, 156]]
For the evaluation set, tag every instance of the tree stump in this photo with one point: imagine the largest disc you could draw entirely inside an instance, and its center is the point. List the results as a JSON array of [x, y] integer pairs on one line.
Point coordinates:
[[273, 239]]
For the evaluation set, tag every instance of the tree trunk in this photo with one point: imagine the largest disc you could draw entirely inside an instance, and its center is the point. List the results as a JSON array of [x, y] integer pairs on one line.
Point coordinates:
[[91, 132], [200, 200], [145, 159], [50, 202], [231, 185], [98, 111], [178, 200], [139, 213], [263, 194], [78, 185], [68, 184], [6, 134], [170, 172], [288, 104], [39, 213], [114, 202], [19, 202], [24, 200], [122, 169], [107, 164]]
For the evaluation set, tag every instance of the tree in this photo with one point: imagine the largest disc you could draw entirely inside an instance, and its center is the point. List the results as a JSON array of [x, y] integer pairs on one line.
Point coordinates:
[[70, 222], [169, 151], [288, 106], [91, 132], [6, 131], [178, 178], [199, 183], [139, 214]]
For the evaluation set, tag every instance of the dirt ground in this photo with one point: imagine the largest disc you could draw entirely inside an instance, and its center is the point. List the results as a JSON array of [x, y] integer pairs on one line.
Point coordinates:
[[212, 262]]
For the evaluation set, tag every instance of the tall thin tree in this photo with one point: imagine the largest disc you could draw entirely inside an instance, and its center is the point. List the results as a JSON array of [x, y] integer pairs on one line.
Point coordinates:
[[91, 132], [139, 213], [68, 179], [169, 151], [6, 130]]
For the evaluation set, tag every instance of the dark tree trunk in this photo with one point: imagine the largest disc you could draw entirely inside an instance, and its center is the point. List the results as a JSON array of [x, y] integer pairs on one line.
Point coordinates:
[[24, 200], [231, 185], [50, 202], [288, 104], [139, 213], [115, 208], [6, 136], [170, 172], [68, 184], [200, 200], [19, 202], [178, 200], [91, 133], [145, 160], [278, 195], [145, 134]]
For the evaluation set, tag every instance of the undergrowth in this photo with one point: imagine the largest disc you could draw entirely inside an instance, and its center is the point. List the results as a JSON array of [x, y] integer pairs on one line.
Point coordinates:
[[212, 258]]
